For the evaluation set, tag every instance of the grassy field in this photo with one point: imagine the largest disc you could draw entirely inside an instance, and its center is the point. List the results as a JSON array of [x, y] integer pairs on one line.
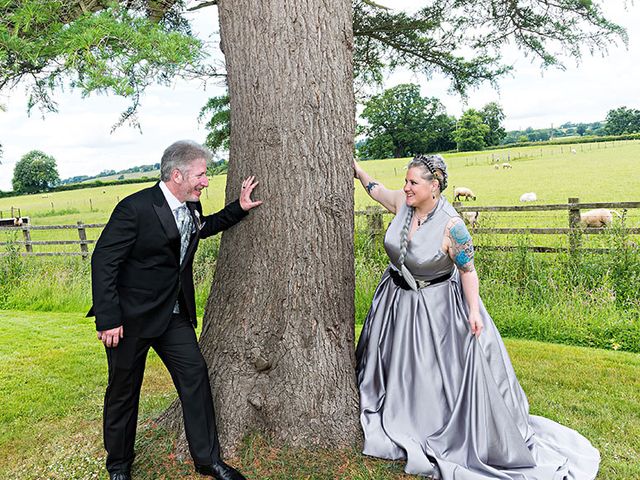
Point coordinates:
[[599, 172], [53, 374], [604, 172]]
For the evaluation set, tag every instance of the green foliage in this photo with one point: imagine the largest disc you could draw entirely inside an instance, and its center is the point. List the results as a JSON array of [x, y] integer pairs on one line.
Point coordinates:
[[471, 131], [493, 116], [218, 124], [51, 284], [401, 123], [623, 120], [582, 299], [11, 267], [544, 134], [116, 48], [523, 140], [429, 40], [218, 168], [35, 172]]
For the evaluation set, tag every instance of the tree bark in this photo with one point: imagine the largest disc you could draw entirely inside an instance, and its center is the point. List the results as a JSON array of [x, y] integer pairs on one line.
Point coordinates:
[[278, 334]]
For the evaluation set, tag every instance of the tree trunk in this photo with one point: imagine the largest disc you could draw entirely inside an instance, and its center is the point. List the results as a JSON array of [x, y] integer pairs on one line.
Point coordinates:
[[278, 333]]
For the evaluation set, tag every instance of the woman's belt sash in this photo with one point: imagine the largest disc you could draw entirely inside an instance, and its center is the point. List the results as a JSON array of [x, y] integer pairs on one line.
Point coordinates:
[[399, 280]]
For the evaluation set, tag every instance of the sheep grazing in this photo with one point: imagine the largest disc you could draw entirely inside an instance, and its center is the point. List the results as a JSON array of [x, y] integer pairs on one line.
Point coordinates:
[[528, 197], [506, 165], [471, 218], [459, 192], [573, 151], [597, 218]]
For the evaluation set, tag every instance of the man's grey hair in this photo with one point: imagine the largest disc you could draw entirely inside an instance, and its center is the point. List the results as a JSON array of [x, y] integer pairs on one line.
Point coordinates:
[[180, 155]]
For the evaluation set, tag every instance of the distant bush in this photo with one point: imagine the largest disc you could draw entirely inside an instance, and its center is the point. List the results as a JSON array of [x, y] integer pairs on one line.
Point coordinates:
[[572, 140]]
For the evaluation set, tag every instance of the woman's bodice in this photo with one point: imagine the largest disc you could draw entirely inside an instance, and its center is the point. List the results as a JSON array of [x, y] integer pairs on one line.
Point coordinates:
[[425, 258]]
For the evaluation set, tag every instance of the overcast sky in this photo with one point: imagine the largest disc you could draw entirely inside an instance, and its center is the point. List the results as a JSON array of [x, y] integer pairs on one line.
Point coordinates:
[[79, 137]]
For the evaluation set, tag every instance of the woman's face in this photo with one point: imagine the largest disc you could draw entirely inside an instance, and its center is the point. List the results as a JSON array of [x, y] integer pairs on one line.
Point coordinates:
[[418, 190]]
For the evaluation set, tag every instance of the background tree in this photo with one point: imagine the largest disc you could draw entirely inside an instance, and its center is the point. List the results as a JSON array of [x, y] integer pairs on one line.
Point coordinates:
[[581, 129], [622, 120], [283, 329], [493, 116], [440, 133], [218, 124], [35, 172], [401, 123], [471, 132]]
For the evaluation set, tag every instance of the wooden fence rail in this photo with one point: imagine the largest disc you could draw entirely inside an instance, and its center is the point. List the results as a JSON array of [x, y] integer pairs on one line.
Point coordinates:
[[28, 243], [574, 231], [375, 228]]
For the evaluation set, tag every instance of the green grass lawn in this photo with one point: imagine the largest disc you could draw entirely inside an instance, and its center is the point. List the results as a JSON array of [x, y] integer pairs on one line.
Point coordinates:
[[53, 375]]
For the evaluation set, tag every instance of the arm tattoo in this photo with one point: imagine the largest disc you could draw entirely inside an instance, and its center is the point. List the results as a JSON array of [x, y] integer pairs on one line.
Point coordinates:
[[462, 247], [370, 187]]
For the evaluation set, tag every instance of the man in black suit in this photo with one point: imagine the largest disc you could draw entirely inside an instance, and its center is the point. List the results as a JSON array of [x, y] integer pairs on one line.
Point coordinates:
[[143, 296]]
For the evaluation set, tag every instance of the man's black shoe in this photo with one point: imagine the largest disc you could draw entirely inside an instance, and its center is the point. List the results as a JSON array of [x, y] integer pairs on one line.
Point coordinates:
[[119, 476], [220, 471]]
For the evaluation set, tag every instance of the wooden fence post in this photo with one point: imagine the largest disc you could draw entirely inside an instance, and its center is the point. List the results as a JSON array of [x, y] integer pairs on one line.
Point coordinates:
[[574, 225], [26, 233], [374, 221], [82, 233]]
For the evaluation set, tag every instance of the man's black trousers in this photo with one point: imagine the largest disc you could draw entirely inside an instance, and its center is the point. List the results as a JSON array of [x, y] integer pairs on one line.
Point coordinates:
[[178, 348]]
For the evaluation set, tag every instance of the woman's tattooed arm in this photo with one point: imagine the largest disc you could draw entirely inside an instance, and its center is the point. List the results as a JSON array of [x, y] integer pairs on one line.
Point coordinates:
[[461, 246]]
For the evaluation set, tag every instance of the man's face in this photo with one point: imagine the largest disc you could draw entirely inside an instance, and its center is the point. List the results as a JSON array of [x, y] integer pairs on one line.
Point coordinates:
[[191, 181]]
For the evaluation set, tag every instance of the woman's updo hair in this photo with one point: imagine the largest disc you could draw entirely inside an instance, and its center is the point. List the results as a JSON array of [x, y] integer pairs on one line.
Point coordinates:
[[434, 166]]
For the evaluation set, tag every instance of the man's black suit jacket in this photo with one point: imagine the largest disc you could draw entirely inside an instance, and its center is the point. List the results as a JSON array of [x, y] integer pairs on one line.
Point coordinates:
[[135, 267]]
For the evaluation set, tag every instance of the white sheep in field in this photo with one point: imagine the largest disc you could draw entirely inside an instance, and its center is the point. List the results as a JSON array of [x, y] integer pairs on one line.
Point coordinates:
[[528, 197], [598, 217], [573, 151], [506, 165], [467, 193], [471, 218]]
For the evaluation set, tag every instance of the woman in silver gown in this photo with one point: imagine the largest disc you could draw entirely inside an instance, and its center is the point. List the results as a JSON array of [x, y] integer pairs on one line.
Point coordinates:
[[436, 384]]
